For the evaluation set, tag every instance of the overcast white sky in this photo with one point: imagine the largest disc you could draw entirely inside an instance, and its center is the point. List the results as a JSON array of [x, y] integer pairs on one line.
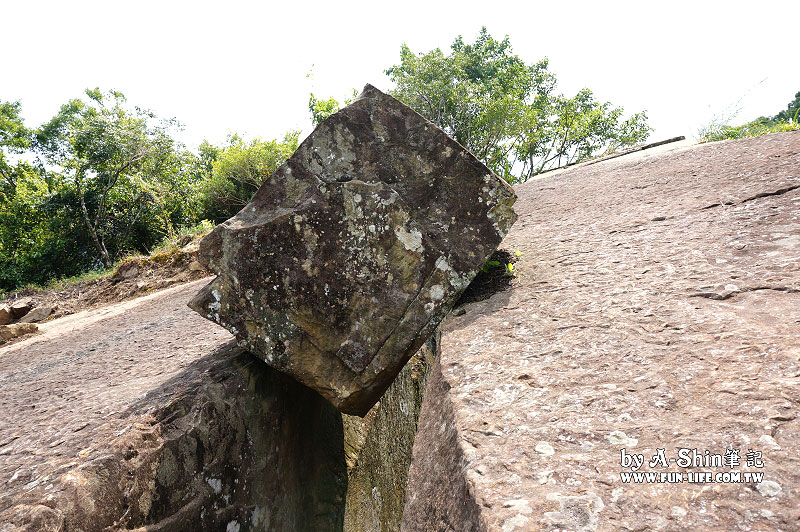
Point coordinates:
[[238, 66]]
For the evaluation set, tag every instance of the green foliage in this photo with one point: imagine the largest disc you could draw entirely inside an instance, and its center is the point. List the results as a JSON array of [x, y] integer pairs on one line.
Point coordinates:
[[115, 183], [14, 138], [792, 111], [238, 170], [786, 120], [41, 235], [505, 111], [127, 172], [322, 109]]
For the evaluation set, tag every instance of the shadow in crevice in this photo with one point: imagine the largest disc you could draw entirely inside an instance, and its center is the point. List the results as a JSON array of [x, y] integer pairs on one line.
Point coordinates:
[[259, 447], [495, 276]]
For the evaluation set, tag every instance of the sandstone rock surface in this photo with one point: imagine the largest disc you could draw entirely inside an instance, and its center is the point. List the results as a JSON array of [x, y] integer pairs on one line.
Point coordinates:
[[355, 249], [20, 307], [36, 314], [144, 416], [5, 316], [657, 306]]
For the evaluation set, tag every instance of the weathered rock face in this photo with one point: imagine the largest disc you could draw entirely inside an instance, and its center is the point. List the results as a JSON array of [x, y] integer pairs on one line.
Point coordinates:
[[20, 307], [37, 314], [378, 448], [15, 330], [660, 312], [353, 251], [175, 428]]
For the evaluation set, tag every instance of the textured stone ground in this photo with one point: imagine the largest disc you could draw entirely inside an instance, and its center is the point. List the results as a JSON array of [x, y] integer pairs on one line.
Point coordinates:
[[657, 306], [63, 389], [144, 416]]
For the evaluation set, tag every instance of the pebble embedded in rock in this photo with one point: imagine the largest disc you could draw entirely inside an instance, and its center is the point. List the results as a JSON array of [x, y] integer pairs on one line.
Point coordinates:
[[769, 488], [768, 441], [620, 438], [677, 511], [544, 448]]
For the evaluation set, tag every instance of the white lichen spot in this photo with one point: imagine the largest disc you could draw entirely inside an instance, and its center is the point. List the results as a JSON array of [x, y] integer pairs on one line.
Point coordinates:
[[437, 292], [442, 264], [233, 526], [412, 240], [216, 485]]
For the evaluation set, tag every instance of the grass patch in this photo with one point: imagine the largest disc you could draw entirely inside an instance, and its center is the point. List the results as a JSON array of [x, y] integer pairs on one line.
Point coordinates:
[[716, 131]]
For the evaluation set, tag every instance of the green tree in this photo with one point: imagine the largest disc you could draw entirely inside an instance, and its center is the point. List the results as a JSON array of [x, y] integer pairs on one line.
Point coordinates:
[[238, 170], [506, 112], [792, 111], [14, 138], [123, 165], [322, 109]]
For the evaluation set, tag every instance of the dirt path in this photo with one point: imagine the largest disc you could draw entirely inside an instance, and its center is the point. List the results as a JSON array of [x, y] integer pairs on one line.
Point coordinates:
[[60, 389]]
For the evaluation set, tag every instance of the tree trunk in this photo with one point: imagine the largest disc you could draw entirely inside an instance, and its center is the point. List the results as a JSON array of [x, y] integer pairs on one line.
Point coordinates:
[[97, 240]]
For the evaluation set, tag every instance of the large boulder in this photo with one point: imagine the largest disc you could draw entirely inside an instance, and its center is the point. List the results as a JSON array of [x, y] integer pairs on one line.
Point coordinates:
[[37, 314], [15, 330], [353, 251], [5, 315], [20, 307]]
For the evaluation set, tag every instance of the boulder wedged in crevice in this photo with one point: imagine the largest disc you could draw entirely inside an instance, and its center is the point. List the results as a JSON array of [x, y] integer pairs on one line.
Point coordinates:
[[354, 250]]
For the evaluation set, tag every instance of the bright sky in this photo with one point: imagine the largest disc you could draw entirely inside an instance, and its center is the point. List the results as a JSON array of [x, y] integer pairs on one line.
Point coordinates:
[[238, 66]]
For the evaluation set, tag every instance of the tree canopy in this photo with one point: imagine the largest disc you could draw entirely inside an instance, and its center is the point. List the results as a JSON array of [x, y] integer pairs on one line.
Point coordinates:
[[108, 178], [123, 164], [507, 112], [792, 111], [239, 170]]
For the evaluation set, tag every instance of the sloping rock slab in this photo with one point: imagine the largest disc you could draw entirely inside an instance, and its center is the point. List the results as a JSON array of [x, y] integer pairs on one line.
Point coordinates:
[[144, 416], [355, 249], [656, 307], [199, 455]]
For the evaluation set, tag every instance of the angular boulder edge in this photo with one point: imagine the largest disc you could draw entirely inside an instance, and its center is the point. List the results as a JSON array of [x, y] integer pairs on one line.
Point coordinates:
[[355, 249]]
